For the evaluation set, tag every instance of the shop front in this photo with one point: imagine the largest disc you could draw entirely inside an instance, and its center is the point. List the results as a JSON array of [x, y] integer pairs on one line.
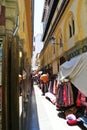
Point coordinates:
[[76, 71]]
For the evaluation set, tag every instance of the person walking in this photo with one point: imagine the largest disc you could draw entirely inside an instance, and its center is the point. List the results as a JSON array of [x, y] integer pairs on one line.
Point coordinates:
[[44, 79]]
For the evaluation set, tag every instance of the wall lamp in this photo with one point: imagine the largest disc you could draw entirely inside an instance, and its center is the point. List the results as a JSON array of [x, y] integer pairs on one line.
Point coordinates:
[[20, 54], [52, 40]]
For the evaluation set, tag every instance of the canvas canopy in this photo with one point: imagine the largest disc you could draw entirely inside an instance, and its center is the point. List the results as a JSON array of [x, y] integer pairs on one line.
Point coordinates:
[[76, 71]]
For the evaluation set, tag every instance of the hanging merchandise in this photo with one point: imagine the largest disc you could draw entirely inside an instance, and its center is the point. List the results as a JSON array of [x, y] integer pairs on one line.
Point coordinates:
[[55, 87], [65, 95], [52, 91], [76, 70], [50, 88], [80, 99]]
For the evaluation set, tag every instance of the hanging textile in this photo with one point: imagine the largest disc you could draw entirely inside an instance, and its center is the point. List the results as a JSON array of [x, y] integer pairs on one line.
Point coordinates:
[[60, 95], [65, 95], [80, 99], [55, 87], [50, 87]]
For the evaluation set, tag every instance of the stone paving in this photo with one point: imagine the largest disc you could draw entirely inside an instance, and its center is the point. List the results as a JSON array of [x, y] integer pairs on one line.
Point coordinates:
[[42, 114]]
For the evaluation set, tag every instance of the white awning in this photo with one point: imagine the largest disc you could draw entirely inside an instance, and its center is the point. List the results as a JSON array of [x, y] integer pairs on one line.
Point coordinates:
[[76, 70]]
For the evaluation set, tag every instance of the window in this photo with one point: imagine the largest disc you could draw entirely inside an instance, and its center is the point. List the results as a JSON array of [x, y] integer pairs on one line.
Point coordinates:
[[54, 49], [23, 26], [61, 41], [73, 26], [70, 31], [69, 26]]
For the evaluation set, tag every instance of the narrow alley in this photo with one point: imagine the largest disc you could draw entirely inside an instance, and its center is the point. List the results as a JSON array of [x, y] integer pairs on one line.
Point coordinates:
[[43, 44]]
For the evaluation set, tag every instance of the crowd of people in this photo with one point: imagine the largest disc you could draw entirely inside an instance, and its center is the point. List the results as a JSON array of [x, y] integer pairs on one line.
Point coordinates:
[[42, 80]]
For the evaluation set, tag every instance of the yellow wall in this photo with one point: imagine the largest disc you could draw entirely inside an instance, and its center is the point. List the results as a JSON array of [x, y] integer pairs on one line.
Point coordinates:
[[25, 28], [76, 9]]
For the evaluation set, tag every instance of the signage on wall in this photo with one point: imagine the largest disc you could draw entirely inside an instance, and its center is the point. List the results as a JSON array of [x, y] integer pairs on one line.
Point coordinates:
[[77, 52]]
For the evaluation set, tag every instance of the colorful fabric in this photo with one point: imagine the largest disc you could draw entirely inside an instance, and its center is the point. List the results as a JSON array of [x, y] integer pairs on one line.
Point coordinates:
[[65, 95], [71, 119], [55, 87], [80, 98]]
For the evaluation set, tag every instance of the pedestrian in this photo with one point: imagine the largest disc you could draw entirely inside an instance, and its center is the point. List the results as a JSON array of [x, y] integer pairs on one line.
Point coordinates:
[[44, 79]]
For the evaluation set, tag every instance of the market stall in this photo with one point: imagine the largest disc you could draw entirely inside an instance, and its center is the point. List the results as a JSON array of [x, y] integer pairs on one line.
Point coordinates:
[[76, 71]]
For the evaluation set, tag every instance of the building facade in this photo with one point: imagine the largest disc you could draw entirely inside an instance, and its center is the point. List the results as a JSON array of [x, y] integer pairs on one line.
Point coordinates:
[[16, 39], [64, 21], [25, 32]]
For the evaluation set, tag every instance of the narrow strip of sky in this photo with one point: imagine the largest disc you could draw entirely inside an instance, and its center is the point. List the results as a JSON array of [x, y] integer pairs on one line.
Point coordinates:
[[38, 11]]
